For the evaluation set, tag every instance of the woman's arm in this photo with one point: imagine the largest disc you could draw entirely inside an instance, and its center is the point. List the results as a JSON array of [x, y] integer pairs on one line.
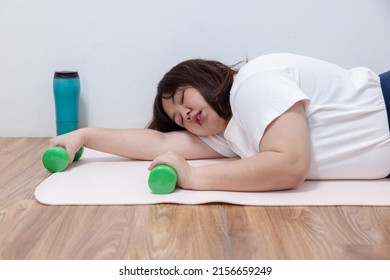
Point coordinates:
[[143, 144], [283, 162]]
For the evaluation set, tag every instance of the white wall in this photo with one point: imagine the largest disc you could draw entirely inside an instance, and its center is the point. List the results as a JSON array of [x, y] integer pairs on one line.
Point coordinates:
[[121, 48]]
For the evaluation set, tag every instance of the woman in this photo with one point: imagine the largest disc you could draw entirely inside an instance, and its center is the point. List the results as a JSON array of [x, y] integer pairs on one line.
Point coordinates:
[[287, 117]]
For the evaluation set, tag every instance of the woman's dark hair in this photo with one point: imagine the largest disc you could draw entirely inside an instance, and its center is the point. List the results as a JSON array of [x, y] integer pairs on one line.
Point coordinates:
[[213, 79]]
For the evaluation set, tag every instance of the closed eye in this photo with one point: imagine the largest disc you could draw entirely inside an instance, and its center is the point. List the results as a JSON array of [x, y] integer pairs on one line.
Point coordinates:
[[182, 98], [178, 101]]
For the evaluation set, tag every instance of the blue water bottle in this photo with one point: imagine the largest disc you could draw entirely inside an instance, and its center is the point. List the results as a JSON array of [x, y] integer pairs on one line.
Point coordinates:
[[66, 87]]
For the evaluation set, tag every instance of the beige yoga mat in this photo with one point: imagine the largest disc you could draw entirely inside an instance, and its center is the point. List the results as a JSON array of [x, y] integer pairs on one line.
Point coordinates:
[[104, 179]]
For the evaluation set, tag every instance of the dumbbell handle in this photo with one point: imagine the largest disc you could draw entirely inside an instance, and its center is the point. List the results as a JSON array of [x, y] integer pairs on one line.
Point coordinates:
[[162, 179], [56, 159]]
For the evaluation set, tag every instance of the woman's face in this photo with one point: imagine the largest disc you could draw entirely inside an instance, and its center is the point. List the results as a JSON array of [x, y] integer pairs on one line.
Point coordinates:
[[190, 110]]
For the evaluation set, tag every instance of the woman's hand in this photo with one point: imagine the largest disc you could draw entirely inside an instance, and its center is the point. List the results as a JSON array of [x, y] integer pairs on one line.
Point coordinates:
[[71, 142], [182, 168]]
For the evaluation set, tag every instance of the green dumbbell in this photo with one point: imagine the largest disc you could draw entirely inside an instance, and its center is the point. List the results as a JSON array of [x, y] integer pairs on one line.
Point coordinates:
[[56, 159], [162, 179]]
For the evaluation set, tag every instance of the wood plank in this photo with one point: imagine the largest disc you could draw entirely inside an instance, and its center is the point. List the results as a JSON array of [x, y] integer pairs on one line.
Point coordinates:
[[33, 231], [21, 169], [309, 232]]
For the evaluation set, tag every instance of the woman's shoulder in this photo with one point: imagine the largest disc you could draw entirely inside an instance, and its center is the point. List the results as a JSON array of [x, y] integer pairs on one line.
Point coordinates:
[[264, 63], [276, 58], [265, 69]]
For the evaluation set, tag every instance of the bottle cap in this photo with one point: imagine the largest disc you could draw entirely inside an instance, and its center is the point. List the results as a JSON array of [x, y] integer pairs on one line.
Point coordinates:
[[55, 159], [162, 179], [66, 74]]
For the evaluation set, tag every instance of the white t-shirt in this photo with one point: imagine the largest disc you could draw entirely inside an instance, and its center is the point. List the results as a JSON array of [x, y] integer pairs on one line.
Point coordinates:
[[345, 110]]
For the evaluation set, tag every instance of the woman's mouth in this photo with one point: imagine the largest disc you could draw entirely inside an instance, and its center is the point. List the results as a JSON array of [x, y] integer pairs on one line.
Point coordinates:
[[198, 118]]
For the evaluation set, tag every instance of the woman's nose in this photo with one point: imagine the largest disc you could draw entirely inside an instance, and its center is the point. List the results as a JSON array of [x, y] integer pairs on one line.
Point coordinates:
[[186, 113]]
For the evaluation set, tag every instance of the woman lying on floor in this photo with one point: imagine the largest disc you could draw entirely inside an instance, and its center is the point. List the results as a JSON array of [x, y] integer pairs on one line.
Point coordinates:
[[286, 117]]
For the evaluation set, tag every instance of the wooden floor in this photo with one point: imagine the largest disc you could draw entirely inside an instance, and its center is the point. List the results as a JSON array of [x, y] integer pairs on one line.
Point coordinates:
[[29, 230]]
